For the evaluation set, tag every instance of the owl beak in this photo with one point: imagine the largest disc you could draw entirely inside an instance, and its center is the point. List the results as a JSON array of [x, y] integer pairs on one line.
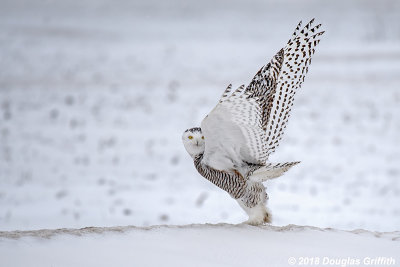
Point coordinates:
[[197, 143]]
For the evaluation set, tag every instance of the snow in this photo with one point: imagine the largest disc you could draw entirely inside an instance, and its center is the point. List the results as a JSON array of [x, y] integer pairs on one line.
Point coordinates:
[[94, 97], [197, 245]]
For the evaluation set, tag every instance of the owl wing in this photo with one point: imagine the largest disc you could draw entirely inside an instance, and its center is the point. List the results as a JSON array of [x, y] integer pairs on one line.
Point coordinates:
[[247, 124], [233, 133], [281, 81]]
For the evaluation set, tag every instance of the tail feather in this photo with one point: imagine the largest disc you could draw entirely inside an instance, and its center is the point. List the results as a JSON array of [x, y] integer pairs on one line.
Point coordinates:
[[271, 171]]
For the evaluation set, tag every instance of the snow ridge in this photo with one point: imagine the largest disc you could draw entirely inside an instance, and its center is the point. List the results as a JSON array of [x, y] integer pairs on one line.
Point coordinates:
[[50, 233], [211, 245]]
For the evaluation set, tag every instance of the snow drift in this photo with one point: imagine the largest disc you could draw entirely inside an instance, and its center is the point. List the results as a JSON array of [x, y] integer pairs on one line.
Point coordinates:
[[199, 245]]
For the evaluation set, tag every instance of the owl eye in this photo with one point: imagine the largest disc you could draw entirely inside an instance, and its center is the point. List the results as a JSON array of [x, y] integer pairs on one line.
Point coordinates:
[[190, 137], [202, 137]]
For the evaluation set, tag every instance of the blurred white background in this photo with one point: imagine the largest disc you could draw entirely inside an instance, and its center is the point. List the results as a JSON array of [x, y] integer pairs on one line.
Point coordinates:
[[94, 97]]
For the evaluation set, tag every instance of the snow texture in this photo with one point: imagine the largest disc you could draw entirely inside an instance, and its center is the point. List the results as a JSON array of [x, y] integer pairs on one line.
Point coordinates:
[[94, 97], [194, 245]]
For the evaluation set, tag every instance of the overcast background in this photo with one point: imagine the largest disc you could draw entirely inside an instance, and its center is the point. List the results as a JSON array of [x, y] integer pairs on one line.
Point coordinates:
[[94, 97]]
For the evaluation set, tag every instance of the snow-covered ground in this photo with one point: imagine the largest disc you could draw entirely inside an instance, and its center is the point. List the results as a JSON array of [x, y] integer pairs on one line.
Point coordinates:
[[94, 97], [199, 245]]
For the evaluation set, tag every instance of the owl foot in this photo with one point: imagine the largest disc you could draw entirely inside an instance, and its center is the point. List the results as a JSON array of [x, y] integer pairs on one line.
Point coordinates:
[[260, 218]]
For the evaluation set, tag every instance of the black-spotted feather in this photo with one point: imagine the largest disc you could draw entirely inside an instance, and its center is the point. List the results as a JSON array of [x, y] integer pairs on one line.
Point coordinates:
[[296, 59]]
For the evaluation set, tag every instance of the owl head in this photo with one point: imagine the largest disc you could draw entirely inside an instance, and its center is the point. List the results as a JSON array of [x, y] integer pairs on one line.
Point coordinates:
[[193, 140]]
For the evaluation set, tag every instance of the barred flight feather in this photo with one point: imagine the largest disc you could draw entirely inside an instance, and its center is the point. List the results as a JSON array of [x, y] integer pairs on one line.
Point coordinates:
[[296, 59]]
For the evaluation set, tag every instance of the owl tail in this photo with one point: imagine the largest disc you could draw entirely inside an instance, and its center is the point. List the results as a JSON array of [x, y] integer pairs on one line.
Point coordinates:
[[271, 171]]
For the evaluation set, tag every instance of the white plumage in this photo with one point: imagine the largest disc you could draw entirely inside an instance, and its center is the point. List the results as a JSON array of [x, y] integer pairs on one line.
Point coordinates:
[[232, 147]]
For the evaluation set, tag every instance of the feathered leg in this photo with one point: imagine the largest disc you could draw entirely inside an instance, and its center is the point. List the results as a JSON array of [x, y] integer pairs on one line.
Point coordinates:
[[258, 212]]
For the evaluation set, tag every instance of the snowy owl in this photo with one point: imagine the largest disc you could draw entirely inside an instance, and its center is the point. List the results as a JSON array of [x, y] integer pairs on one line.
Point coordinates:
[[232, 147]]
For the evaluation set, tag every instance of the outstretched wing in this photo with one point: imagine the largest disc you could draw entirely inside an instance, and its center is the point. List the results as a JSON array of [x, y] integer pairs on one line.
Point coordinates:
[[296, 57], [246, 125]]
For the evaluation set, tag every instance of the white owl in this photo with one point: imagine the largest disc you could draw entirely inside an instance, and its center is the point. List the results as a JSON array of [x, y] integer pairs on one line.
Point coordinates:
[[232, 147]]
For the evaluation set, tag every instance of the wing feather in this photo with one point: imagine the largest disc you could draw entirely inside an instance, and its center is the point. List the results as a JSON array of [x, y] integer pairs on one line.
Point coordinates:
[[233, 133], [247, 124], [297, 58], [226, 93]]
